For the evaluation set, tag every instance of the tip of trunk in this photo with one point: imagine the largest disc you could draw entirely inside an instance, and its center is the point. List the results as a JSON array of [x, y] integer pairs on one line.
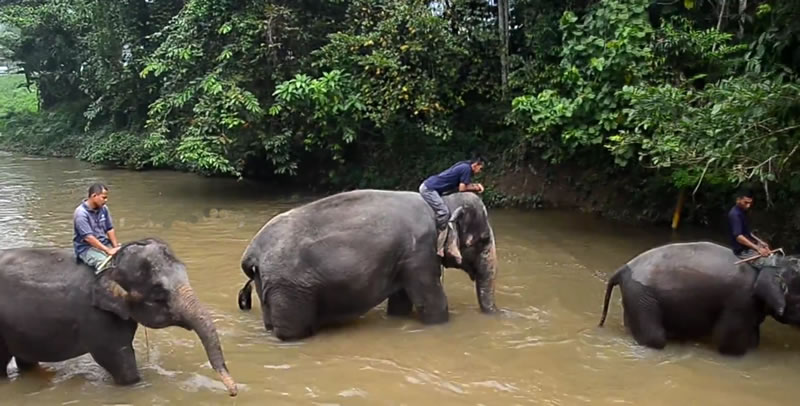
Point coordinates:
[[229, 383]]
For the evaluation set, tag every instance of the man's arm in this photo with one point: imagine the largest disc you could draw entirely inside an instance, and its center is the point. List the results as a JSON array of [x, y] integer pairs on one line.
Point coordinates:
[[760, 241], [94, 242], [471, 187], [466, 184], [736, 229], [747, 243], [112, 236]]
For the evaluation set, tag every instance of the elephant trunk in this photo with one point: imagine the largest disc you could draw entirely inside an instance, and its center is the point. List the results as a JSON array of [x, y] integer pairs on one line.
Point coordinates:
[[199, 320], [484, 283]]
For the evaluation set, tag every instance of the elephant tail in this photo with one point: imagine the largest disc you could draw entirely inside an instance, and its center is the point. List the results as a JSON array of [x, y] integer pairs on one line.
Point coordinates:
[[614, 281], [245, 296], [250, 270]]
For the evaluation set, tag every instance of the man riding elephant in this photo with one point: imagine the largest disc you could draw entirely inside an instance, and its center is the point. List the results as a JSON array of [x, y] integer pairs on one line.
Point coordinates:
[[458, 176], [94, 238], [746, 246]]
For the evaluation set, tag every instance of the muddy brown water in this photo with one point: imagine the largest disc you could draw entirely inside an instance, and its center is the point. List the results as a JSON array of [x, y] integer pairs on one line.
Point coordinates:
[[543, 350]]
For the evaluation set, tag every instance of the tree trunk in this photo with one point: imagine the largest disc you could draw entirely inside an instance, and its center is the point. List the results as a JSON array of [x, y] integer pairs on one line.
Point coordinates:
[[502, 19]]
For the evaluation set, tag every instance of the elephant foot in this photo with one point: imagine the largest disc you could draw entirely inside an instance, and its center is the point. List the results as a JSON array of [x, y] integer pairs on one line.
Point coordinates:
[[285, 334], [399, 305], [434, 317], [119, 361], [127, 380], [5, 358], [24, 366]]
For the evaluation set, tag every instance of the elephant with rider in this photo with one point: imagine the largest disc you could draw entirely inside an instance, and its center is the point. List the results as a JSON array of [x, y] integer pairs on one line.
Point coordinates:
[[693, 290], [54, 307], [334, 259]]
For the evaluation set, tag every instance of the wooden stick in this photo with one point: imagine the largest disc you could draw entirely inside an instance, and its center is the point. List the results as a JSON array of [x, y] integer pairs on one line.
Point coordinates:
[[757, 256]]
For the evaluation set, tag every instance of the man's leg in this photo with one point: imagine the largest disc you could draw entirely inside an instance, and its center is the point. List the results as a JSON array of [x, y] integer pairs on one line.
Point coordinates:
[[442, 216], [96, 259]]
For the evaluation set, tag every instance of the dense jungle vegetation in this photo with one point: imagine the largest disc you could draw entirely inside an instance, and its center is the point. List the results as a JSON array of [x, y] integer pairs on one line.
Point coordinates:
[[624, 102]]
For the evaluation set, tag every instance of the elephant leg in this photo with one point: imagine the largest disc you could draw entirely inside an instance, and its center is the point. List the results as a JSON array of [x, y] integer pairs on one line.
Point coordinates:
[[266, 312], [733, 333], [755, 338], [23, 365], [5, 358], [120, 362], [293, 316], [424, 288], [643, 316], [266, 316], [399, 304]]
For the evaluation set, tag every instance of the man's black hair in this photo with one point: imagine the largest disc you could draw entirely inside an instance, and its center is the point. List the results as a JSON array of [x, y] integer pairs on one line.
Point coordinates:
[[97, 188], [478, 159], [744, 192]]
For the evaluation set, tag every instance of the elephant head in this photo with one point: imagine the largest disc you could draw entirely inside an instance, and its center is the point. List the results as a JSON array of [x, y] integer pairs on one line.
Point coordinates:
[[476, 242], [779, 288], [147, 283]]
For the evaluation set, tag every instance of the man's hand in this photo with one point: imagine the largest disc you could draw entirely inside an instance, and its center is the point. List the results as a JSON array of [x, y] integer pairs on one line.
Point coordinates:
[[112, 251], [478, 187]]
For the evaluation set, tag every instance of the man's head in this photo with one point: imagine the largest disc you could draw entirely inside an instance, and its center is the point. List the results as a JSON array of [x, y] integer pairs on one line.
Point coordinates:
[[98, 195], [476, 164], [744, 198]]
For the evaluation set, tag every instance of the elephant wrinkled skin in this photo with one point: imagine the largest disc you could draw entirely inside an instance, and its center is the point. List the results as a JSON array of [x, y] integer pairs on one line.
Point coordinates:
[[53, 308], [336, 258], [692, 290]]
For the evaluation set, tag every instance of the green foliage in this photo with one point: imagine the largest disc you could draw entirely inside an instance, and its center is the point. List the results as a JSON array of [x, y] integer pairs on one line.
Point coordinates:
[[404, 61], [47, 133], [744, 128], [325, 113], [16, 96], [610, 47]]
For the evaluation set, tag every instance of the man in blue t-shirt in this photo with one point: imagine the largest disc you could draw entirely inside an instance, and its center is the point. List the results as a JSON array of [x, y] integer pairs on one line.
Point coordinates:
[[457, 177], [744, 243], [94, 238]]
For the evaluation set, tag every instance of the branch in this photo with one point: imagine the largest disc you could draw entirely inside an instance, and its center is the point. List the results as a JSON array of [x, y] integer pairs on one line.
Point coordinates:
[[786, 159], [783, 130], [703, 175], [754, 168], [721, 12]]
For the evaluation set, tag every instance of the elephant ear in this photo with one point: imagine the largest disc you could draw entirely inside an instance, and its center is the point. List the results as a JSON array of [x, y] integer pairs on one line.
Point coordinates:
[[457, 213], [770, 288], [110, 296]]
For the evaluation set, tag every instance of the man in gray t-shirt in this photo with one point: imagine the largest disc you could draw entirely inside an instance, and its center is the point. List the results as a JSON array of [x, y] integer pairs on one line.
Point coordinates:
[[94, 238]]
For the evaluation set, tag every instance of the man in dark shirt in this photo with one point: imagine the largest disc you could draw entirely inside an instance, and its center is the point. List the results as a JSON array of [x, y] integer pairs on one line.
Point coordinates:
[[744, 243], [457, 177], [94, 238]]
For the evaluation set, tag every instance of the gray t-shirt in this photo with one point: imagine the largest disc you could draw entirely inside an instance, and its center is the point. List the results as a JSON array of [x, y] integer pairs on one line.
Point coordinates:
[[90, 222]]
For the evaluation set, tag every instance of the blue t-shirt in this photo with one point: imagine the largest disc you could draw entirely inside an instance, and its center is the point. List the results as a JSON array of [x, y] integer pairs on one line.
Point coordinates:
[[90, 222], [449, 179], [737, 219]]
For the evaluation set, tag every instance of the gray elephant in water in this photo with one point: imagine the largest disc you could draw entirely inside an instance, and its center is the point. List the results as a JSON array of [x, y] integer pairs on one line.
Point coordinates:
[[53, 308], [692, 290], [336, 258]]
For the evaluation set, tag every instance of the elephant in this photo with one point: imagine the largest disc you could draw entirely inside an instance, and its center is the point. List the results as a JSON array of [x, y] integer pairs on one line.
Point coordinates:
[[333, 259], [693, 290], [54, 308]]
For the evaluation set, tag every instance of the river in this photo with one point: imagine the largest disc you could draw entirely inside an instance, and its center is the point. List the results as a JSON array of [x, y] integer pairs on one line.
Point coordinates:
[[545, 349]]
